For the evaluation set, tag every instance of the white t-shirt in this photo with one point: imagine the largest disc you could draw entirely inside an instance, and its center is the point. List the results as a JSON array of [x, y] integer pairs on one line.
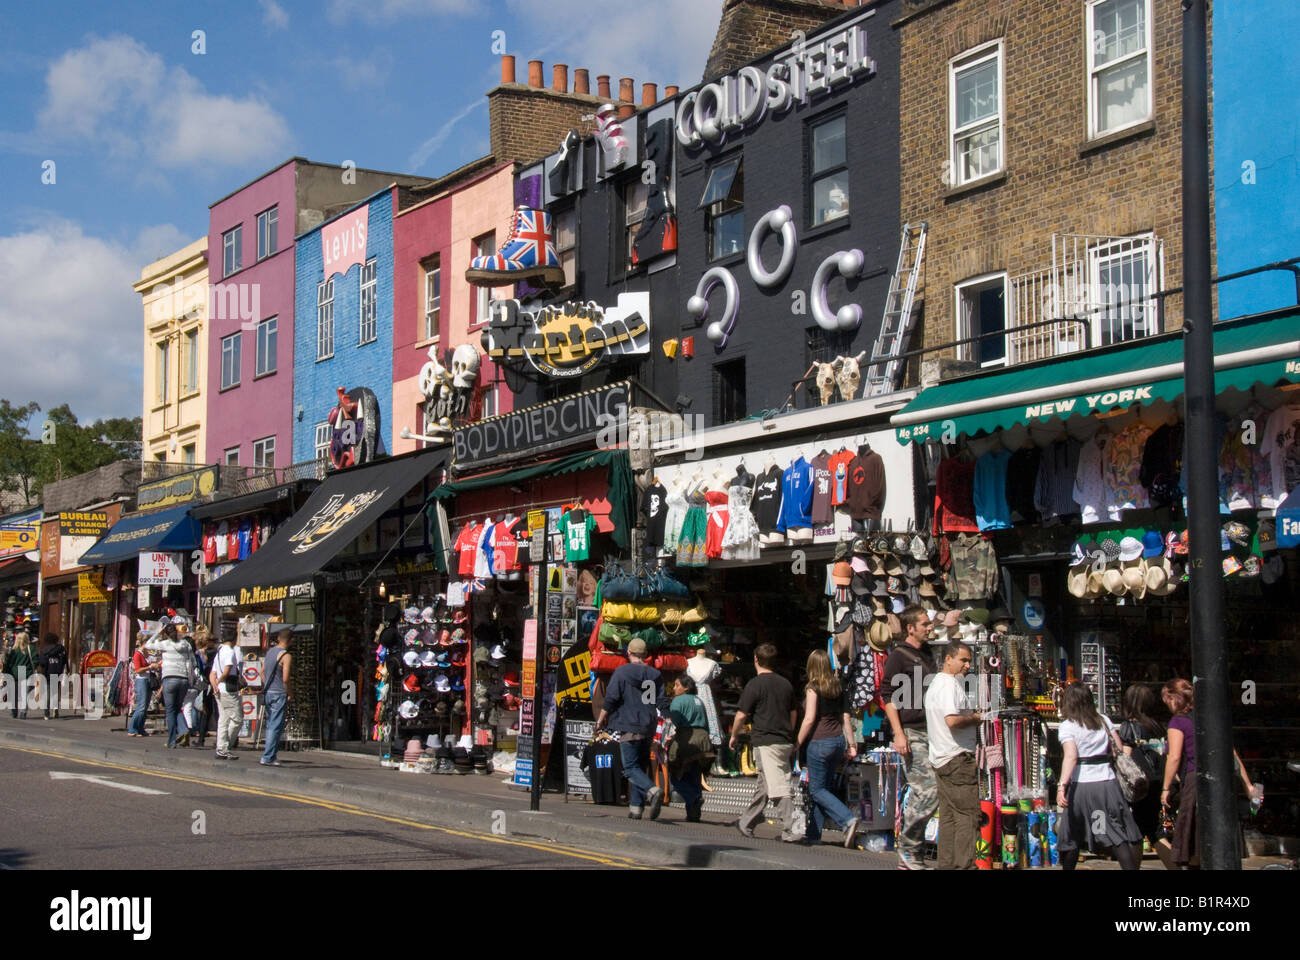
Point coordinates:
[[1090, 743], [226, 657], [945, 697], [1281, 445]]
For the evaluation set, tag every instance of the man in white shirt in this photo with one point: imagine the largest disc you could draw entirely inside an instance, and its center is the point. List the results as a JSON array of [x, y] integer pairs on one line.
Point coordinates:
[[951, 727], [226, 682]]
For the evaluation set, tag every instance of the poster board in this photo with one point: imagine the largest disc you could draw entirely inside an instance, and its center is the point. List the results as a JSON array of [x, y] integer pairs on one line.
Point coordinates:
[[577, 734]]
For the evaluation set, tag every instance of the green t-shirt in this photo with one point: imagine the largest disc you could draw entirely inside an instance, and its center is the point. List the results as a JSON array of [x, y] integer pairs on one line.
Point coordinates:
[[577, 536], [687, 711]]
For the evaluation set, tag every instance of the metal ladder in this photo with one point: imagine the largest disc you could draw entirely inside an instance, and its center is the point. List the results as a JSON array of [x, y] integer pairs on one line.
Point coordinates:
[[896, 325]]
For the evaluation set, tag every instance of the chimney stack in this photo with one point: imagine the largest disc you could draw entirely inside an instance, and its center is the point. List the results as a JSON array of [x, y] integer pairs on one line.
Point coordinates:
[[581, 81], [649, 94], [507, 68], [534, 73], [560, 78], [602, 86]]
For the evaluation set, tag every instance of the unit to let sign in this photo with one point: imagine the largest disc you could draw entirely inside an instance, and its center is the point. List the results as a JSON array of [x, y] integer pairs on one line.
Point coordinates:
[[160, 569]]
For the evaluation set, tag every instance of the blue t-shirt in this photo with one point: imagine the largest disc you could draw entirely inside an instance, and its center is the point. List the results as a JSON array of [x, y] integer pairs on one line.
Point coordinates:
[[796, 496], [991, 510]]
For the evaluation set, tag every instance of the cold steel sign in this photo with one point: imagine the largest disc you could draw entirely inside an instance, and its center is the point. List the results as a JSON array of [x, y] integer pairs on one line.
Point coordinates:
[[544, 426]]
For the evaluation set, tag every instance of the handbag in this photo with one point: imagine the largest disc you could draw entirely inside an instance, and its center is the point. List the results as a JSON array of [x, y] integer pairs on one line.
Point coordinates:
[[153, 681], [674, 618], [651, 637], [607, 662], [617, 584], [1133, 782], [614, 636], [668, 587], [630, 612]]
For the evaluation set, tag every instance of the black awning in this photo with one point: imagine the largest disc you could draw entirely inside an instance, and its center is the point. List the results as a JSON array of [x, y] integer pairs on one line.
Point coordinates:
[[232, 506], [335, 515]]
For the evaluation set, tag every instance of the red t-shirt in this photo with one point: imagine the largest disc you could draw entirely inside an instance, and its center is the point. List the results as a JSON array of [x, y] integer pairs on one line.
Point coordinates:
[[505, 546], [467, 547], [138, 659], [210, 544], [954, 497]]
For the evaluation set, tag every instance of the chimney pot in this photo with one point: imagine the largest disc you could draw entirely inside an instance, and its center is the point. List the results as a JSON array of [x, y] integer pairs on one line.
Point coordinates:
[[507, 68], [670, 91], [534, 73], [581, 81], [602, 86], [625, 89], [649, 94], [560, 78], [626, 110]]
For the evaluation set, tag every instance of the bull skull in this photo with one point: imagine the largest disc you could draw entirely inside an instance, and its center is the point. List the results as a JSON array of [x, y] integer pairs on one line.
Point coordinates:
[[848, 376], [826, 381]]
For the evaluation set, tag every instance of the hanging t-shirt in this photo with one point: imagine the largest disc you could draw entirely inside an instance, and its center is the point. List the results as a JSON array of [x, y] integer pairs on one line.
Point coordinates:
[[232, 548], [603, 763], [1055, 483], [866, 499], [466, 547], [245, 538], [1162, 464], [655, 506], [990, 491], [821, 501], [954, 492], [483, 553], [767, 499], [1022, 476], [1089, 480], [223, 540], [796, 496], [1280, 445], [839, 467], [1123, 464], [577, 526], [255, 537], [210, 543], [505, 546]]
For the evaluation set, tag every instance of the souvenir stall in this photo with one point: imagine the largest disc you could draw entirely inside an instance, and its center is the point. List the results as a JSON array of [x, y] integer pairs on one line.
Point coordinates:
[[1068, 512], [20, 544]]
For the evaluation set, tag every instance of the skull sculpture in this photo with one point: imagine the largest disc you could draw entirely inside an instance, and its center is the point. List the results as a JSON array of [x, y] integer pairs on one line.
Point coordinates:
[[847, 376], [826, 381], [435, 379], [464, 366]]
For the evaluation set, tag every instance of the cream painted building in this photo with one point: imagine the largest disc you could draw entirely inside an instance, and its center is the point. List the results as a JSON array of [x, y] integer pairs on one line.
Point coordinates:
[[175, 294]]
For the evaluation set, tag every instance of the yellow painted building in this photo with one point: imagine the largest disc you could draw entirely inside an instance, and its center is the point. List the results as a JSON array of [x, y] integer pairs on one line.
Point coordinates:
[[175, 295]]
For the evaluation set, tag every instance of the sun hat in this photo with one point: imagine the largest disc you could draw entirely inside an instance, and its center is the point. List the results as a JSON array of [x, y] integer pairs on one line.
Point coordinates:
[[1113, 580], [1077, 581], [1096, 583], [926, 589], [1135, 579], [1152, 544], [1110, 549], [1158, 581], [1130, 548], [878, 636]]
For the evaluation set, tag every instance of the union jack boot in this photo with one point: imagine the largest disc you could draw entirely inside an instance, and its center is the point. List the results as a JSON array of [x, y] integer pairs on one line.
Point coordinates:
[[528, 251]]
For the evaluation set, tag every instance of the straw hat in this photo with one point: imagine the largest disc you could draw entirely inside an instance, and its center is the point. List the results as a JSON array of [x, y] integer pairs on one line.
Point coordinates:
[[1113, 580], [1159, 583], [926, 589], [1134, 574], [1077, 580], [878, 636]]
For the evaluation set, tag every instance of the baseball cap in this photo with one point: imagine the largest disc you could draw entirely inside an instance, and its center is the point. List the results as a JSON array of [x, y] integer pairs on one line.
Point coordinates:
[[1153, 545]]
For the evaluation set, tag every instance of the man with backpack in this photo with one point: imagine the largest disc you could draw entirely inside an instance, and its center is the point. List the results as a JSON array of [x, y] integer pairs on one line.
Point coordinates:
[[52, 660], [225, 680]]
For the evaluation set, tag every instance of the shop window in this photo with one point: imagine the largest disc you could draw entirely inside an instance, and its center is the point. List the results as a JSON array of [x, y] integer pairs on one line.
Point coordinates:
[[484, 246], [728, 392], [1118, 40], [635, 194], [723, 204], [325, 320], [267, 336], [268, 223], [488, 402], [432, 298], [829, 189], [975, 114], [369, 326], [232, 250], [264, 453], [230, 350], [566, 243], [981, 312]]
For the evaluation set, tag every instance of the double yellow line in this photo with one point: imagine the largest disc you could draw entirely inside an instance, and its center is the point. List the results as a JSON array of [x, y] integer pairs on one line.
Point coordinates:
[[338, 807]]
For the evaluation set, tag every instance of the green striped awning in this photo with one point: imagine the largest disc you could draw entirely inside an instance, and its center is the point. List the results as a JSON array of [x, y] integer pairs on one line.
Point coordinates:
[[1247, 352]]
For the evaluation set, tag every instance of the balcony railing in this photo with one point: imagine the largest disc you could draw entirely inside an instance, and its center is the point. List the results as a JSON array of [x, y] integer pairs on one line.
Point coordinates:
[[243, 480]]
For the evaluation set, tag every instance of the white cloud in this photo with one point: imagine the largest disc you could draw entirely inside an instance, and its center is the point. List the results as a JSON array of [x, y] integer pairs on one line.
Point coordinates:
[[376, 11], [665, 42], [274, 15], [73, 325], [116, 93], [425, 150]]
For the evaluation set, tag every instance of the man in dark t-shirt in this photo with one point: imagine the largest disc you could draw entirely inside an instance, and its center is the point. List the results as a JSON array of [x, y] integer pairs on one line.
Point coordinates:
[[907, 672], [768, 703]]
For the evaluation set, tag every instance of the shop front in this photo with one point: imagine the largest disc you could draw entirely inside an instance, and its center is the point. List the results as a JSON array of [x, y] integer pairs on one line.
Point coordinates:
[[1066, 481], [20, 568], [89, 609]]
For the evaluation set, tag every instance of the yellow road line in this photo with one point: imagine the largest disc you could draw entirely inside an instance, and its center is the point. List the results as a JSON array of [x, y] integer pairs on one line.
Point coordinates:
[[340, 807]]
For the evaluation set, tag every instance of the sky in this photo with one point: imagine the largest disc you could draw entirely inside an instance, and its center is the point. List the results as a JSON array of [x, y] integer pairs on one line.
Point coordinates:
[[119, 125]]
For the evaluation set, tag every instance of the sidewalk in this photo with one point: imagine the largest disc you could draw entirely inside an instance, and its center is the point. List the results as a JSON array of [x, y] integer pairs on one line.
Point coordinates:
[[474, 802]]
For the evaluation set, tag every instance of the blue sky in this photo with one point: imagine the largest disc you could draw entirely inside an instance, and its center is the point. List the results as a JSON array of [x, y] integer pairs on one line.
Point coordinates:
[[144, 133]]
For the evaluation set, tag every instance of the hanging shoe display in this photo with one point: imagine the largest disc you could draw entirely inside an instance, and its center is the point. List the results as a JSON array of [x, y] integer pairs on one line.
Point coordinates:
[[527, 252]]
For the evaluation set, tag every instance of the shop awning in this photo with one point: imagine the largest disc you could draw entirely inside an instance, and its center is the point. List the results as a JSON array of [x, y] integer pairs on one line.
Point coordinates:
[[336, 513], [166, 531], [1247, 352]]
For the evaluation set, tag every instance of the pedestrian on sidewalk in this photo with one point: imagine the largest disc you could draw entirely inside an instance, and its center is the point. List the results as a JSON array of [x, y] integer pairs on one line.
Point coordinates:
[[691, 750], [907, 668], [201, 702], [826, 735], [769, 700], [53, 662], [950, 726], [1143, 739], [1095, 811], [20, 664], [144, 674], [224, 676], [631, 713], [279, 691], [177, 677]]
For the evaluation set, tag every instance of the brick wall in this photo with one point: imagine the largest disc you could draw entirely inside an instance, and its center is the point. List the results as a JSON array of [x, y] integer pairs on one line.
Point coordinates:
[[1054, 181], [750, 28], [527, 123]]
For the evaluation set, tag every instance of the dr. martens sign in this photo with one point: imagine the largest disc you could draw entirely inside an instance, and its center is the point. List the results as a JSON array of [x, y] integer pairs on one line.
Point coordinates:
[[568, 339]]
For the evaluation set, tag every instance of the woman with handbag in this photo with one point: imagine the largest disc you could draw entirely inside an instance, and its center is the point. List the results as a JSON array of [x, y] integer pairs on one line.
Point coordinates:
[[202, 690], [1143, 738], [691, 751], [177, 677], [20, 664], [828, 735], [144, 672], [1094, 811]]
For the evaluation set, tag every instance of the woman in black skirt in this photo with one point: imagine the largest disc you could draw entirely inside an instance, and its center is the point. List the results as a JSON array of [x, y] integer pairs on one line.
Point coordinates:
[[1094, 811], [1143, 738]]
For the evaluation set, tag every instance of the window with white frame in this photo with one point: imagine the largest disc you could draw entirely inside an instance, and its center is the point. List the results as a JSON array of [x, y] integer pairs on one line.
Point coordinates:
[[723, 203], [232, 250], [432, 298], [324, 434], [267, 335], [231, 457], [164, 368], [191, 361], [975, 114], [230, 350], [369, 327], [1125, 277], [325, 319], [484, 246], [830, 173], [488, 404], [1119, 64], [268, 224], [982, 312], [264, 453], [566, 244]]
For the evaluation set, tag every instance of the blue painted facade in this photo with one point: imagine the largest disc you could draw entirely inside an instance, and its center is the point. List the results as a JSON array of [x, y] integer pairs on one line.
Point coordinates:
[[353, 364], [1256, 78]]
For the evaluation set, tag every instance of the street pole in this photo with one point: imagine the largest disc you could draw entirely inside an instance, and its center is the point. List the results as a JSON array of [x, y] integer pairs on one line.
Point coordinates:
[[1216, 808], [539, 614]]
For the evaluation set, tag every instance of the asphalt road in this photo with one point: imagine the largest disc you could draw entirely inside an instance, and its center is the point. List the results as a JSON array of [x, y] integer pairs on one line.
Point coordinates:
[[53, 818]]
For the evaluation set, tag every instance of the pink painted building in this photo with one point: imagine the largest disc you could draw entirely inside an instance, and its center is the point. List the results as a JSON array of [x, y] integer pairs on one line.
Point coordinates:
[[466, 212]]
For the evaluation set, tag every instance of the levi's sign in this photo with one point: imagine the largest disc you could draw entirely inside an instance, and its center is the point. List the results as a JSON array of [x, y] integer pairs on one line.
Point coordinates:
[[568, 339], [809, 68], [1090, 403], [543, 426]]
